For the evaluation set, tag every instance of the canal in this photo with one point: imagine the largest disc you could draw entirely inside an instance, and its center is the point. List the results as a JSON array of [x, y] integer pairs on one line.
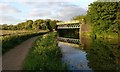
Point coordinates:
[[90, 54]]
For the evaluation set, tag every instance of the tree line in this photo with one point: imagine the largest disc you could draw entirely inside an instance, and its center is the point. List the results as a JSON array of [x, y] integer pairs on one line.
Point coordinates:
[[104, 17], [38, 24]]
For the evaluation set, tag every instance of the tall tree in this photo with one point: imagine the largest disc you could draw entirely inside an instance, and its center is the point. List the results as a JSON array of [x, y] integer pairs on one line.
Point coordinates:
[[28, 24], [48, 24], [103, 16]]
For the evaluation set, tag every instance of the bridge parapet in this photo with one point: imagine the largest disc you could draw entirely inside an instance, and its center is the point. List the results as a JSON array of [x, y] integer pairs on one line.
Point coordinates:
[[68, 24]]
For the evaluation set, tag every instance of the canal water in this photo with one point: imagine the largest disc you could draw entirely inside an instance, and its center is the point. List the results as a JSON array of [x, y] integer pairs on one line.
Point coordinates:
[[91, 54]]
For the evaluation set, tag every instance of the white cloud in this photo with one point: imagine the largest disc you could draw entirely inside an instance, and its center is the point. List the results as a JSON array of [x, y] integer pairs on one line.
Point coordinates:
[[8, 20], [41, 0], [68, 12], [6, 8], [39, 13], [55, 10], [40, 10]]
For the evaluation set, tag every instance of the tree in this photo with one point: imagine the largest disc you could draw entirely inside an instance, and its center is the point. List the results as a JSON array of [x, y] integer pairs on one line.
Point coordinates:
[[103, 16], [37, 24], [48, 25], [4, 27], [28, 24], [21, 26], [32, 25]]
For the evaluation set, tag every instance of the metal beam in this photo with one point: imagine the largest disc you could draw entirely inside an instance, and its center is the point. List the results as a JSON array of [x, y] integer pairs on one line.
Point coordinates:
[[68, 22]]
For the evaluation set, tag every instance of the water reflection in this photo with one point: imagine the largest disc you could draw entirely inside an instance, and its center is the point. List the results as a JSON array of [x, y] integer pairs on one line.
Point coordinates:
[[75, 58], [73, 55], [104, 55], [69, 40], [95, 54]]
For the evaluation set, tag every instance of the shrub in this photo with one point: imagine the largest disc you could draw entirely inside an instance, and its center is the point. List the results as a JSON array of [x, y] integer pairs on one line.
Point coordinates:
[[44, 55]]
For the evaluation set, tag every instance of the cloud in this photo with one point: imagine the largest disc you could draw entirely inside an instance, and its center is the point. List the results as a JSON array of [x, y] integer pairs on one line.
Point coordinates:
[[41, 0], [5, 7], [8, 20], [69, 11], [39, 13], [55, 10], [39, 10]]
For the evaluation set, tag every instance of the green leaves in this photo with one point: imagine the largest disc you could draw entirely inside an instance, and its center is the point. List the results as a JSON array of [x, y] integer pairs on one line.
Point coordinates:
[[38, 24], [45, 55], [103, 16]]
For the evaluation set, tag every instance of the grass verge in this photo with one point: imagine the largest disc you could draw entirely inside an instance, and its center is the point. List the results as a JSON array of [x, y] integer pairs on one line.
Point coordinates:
[[45, 55], [10, 42]]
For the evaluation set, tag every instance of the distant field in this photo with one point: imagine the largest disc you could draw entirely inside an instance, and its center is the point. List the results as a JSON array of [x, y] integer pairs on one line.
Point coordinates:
[[10, 32], [7, 33], [11, 38]]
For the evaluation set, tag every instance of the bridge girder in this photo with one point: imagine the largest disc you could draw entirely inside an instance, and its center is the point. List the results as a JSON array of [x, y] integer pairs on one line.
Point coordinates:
[[68, 25]]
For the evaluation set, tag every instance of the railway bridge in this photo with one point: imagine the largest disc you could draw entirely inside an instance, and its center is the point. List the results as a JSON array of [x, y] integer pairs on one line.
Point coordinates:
[[69, 24], [75, 24]]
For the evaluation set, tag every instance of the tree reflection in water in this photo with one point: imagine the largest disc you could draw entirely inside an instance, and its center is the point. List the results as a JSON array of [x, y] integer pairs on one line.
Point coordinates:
[[104, 55]]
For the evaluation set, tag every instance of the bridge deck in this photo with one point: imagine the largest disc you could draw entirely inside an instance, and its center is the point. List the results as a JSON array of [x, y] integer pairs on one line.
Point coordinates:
[[69, 22]]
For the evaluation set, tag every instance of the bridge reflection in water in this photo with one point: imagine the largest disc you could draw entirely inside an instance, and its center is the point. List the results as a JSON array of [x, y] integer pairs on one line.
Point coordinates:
[[72, 48], [95, 54], [84, 53], [69, 42], [73, 53]]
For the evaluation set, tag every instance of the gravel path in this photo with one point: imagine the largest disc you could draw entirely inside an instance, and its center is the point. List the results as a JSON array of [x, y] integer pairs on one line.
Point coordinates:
[[13, 59]]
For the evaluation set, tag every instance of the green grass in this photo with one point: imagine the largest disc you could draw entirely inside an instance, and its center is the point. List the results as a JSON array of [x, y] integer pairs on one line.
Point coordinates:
[[44, 55], [9, 42]]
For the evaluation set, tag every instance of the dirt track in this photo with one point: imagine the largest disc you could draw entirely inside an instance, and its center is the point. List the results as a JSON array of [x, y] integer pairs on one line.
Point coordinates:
[[13, 59]]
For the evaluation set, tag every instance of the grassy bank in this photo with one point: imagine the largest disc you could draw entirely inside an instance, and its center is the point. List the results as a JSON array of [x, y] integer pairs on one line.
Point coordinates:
[[9, 42], [44, 55]]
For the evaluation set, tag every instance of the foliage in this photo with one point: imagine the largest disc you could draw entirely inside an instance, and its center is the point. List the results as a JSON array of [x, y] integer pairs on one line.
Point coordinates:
[[48, 25], [81, 18], [103, 17], [44, 55], [32, 25], [78, 17], [104, 55]]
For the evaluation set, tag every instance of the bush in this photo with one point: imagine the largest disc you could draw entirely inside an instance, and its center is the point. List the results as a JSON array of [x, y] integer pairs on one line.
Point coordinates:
[[44, 55]]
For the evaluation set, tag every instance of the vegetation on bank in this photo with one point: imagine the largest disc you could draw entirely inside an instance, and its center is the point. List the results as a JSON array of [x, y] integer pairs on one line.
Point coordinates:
[[104, 18], [11, 41], [104, 55], [13, 32], [38, 24], [44, 55]]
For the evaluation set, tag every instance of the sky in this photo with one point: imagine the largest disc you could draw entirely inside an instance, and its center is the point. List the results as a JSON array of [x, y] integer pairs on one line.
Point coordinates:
[[16, 11]]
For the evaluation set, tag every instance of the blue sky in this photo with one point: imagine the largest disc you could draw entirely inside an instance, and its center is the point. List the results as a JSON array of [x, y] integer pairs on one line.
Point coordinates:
[[13, 12]]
